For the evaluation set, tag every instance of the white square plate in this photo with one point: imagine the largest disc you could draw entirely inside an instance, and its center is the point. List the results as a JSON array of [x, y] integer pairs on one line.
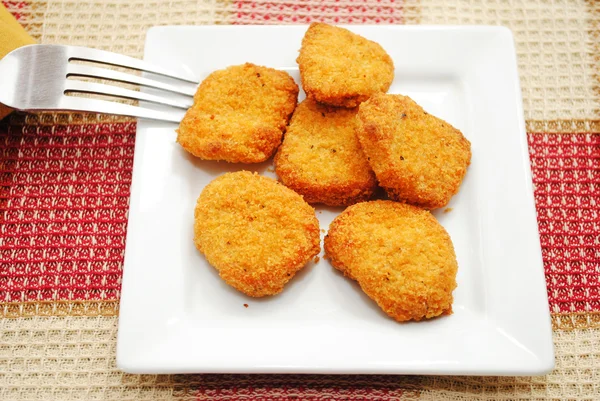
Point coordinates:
[[177, 316]]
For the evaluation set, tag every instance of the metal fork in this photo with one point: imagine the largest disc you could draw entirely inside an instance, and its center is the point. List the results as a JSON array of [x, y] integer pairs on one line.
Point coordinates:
[[34, 78]]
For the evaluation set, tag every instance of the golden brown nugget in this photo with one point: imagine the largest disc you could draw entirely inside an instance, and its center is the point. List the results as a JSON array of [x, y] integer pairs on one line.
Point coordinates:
[[255, 232], [417, 158], [400, 255], [239, 114], [321, 159], [341, 68]]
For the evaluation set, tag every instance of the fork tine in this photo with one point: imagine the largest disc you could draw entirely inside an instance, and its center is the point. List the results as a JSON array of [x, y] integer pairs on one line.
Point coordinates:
[[104, 73], [102, 89], [70, 103], [119, 60]]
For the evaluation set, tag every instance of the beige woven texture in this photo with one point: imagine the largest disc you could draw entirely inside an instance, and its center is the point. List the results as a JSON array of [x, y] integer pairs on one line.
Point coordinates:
[[73, 358], [556, 45], [68, 358], [121, 25]]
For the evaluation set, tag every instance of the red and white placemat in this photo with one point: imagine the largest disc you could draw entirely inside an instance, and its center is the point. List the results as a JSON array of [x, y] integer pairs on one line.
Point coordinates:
[[64, 191]]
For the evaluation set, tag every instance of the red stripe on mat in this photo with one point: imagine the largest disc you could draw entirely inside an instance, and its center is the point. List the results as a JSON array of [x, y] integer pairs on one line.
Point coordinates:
[[566, 175], [15, 5], [64, 194], [331, 11], [303, 387]]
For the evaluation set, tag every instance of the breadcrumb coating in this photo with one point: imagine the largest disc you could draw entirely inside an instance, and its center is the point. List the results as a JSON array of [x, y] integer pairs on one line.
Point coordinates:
[[399, 254], [321, 158], [255, 232], [417, 158], [239, 114], [341, 68]]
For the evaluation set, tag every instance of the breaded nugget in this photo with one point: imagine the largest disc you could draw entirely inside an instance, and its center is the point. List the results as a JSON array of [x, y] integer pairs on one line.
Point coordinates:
[[417, 158], [321, 159], [239, 114], [255, 232], [400, 255], [341, 68]]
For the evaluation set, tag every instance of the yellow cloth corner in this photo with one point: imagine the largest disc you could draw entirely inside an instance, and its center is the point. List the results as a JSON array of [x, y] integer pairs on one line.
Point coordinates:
[[12, 35]]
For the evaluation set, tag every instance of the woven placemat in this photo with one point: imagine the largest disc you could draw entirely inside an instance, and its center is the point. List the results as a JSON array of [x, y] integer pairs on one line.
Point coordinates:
[[65, 188]]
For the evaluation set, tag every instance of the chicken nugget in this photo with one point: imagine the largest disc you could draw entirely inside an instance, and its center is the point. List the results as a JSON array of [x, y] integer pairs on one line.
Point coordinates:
[[255, 232], [417, 158], [321, 159], [399, 254], [239, 114], [341, 68]]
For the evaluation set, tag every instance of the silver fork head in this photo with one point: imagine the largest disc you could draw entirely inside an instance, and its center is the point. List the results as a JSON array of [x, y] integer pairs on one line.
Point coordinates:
[[35, 79]]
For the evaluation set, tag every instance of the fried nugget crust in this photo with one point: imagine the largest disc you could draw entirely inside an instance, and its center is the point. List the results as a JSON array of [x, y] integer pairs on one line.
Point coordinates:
[[399, 254], [255, 232], [417, 158], [341, 68], [239, 114], [321, 159]]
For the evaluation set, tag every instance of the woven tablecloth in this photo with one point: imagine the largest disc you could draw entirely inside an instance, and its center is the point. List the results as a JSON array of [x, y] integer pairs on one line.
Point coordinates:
[[64, 194]]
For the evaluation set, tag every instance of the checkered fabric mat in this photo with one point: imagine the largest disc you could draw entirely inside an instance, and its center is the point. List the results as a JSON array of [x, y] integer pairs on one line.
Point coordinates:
[[64, 193]]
